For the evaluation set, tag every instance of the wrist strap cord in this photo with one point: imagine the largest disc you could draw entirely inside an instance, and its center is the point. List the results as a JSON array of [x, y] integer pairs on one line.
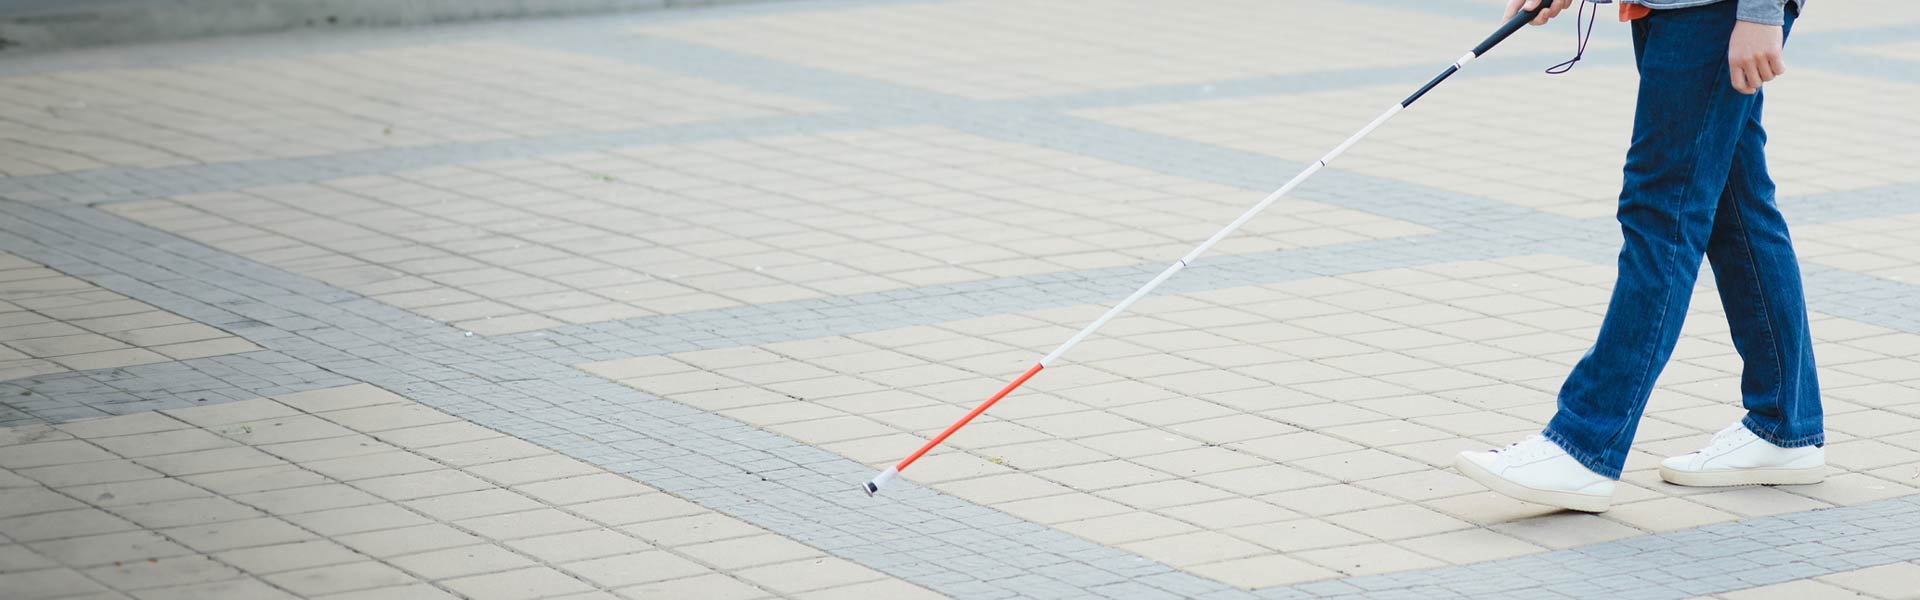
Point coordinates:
[[1580, 37]]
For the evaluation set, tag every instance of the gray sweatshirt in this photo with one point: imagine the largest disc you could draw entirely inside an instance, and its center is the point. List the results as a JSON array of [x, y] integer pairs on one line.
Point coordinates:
[[1764, 12]]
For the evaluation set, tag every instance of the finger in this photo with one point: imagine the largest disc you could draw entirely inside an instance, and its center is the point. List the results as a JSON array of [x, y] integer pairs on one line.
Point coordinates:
[[1749, 80], [1753, 79], [1764, 68], [1739, 79], [1779, 65]]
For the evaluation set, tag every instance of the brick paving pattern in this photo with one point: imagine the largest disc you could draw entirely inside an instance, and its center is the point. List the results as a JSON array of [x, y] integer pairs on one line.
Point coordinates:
[[625, 307]]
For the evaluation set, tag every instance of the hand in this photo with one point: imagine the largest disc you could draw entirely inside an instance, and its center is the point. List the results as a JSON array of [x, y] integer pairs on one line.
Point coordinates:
[[1753, 55], [1515, 6]]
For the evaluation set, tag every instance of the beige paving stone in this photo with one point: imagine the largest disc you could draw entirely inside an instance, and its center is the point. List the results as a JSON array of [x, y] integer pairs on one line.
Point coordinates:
[[1330, 499], [15, 558], [206, 348], [290, 428], [385, 417], [585, 488], [630, 569], [738, 553], [48, 583], [259, 479], [339, 398], [1792, 590], [339, 578], [462, 561], [232, 412], [407, 540], [123, 547], [1263, 571], [1666, 514], [422, 484], [306, 499], [1118, 529], [484, 451], [807, 575], [325, 448], [579, 545], [56, 452], [1194, 548], [163, 442], [1229, 513], [125, 493], [1758, 501], [1565, 530], [636, 509], [416, 591], [189, 511], [531, 523], [1893, 581], [181, 570], [357, 519], [62, 524], [19, 501], [232, 589], [1064, 507], [885, 588], [1398, 522], [121, 425], [1470, 546], [229, 535], [435, 435], [1296, 535], [528, 470], [1366, 559], [264, 560], [520, 584], [1103, 475], [695, 529], [103, 471], [378, 464], [453, 507], [713, 586]]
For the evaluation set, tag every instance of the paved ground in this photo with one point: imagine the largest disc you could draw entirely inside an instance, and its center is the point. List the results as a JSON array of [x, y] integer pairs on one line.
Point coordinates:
[[628, 306]]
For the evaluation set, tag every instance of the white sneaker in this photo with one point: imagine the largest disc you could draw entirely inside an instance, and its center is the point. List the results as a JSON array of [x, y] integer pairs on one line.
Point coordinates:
[[1738, 457], [1539, 471]]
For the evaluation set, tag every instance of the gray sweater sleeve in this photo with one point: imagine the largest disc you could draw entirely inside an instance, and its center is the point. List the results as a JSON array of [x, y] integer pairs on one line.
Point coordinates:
[[1764, 12]]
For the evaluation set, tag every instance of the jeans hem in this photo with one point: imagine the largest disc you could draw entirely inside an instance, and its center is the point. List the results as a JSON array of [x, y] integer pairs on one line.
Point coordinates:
[[1815, 439], [1586, 460]]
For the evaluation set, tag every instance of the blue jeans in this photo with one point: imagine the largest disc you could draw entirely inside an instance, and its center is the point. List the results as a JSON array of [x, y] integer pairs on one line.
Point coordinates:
[[1696, 185]]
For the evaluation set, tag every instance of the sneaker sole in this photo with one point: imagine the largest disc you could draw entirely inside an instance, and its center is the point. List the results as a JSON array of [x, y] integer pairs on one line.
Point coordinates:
[[1744, 477], [1566, 500]]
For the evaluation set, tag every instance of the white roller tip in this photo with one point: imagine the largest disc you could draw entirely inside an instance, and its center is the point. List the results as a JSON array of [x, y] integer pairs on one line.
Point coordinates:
[[881, 480]]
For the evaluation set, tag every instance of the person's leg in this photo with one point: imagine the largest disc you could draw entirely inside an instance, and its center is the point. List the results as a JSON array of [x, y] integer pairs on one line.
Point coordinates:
[[1759, 280], [1688, 123]]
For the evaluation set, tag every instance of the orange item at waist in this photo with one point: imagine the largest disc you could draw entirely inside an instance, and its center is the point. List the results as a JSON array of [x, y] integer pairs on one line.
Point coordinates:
[[1630, 11]]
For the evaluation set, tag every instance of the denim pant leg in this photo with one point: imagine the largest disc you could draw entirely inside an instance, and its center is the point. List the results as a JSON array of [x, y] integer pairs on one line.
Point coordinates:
[[1758, 276], [1688, 122]]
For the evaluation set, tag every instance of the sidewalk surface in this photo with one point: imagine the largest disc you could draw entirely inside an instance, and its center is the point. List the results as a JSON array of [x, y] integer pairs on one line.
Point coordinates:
[[629, 306]]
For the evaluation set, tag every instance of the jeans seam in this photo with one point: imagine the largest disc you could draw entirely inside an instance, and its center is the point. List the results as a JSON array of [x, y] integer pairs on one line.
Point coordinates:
[[1766, 320]]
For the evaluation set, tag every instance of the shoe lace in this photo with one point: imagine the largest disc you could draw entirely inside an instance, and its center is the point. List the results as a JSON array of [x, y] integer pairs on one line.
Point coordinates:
[[1526, 449], [1727, 438]]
